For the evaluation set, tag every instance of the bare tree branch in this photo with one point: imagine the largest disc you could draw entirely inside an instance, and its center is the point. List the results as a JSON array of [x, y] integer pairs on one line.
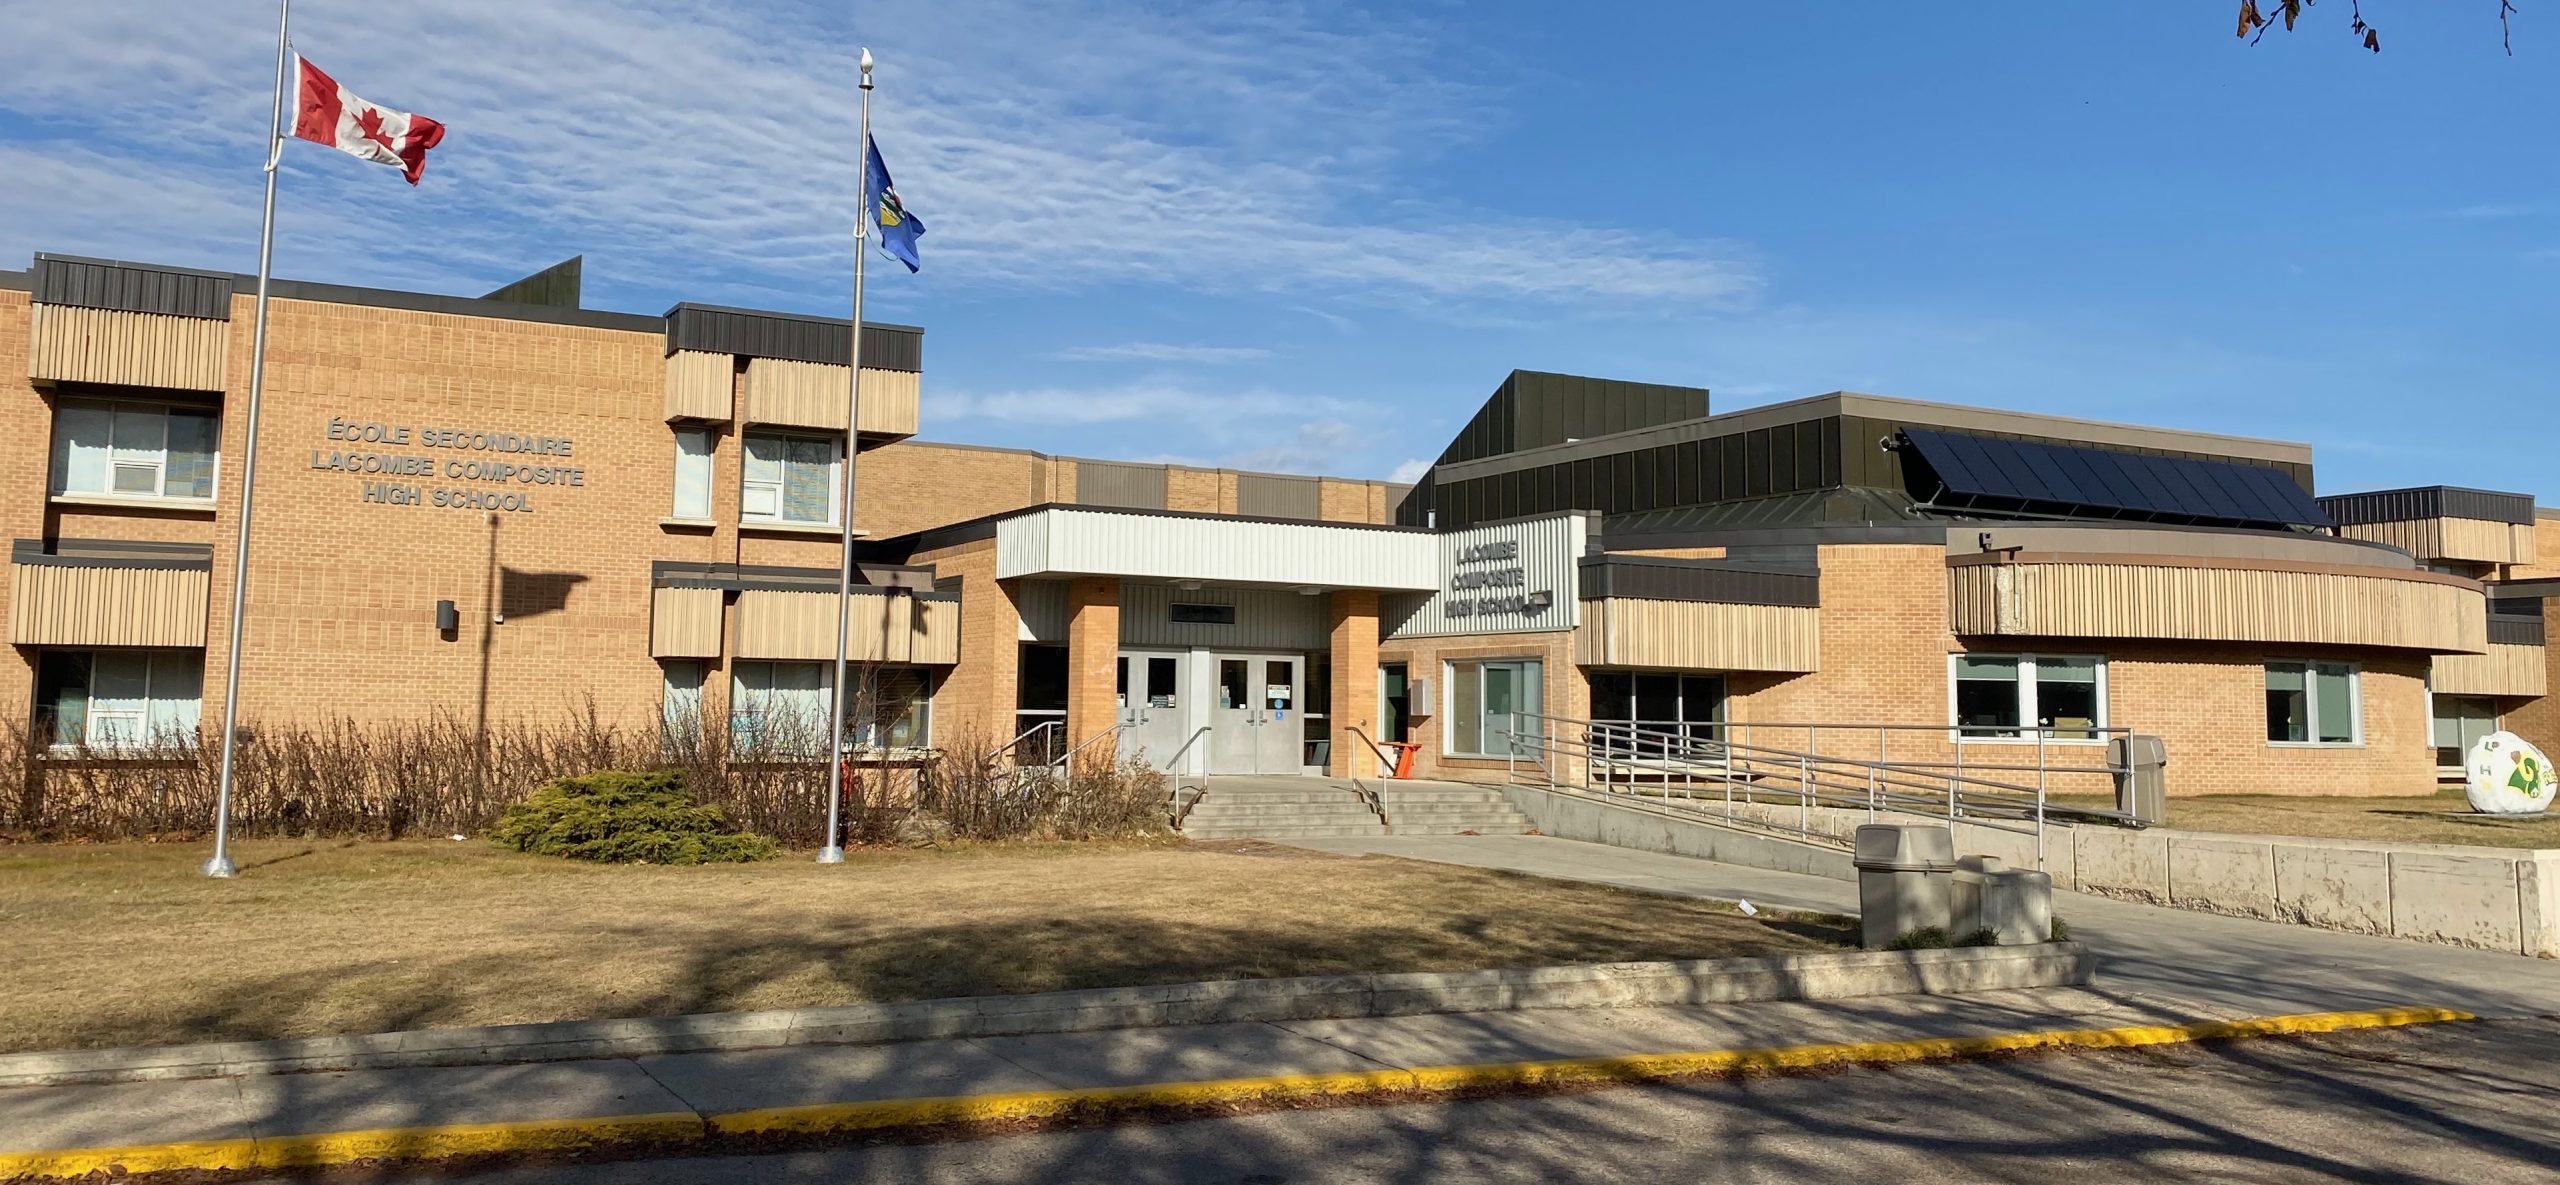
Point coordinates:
[[2254, 24]]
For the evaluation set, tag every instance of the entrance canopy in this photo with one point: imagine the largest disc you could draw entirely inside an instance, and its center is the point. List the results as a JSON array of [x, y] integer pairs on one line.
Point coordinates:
[[1214, 549]]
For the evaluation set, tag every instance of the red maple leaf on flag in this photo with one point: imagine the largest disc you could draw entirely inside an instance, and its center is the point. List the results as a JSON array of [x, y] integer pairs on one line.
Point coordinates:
[[369, 125]]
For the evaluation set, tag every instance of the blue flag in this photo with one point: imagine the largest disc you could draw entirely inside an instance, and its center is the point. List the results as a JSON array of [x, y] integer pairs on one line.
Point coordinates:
[[898, 228]]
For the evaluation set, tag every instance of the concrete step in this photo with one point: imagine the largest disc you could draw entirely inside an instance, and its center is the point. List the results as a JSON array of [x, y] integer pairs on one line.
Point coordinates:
[[1435, 808], [1515, 828], [1317, 795], [1424, 797], [1220, 806], [1310, 832]]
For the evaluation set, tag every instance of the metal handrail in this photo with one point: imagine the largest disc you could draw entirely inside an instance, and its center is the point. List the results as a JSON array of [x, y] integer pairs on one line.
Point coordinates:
[[1034, 730], [1377, 799], [1615, 753], [1181, 809], [1064, 759]]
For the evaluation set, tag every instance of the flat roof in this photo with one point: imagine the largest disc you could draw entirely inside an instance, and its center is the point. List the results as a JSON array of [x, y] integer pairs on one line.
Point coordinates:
[[1885, 407]]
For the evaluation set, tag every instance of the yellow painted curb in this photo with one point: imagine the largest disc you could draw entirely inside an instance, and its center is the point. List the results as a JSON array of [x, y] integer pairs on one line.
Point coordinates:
[[682, 1129], [388, 1144]]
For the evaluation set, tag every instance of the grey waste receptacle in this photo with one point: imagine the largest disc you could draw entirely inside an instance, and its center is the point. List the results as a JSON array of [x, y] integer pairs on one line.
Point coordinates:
[[2141, 787], [1964, 894], [2017, 906], [1903, 880]]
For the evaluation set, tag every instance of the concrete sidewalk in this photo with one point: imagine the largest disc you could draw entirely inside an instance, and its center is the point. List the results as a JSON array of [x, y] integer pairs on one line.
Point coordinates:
[[694, 1100], [2238, 966]]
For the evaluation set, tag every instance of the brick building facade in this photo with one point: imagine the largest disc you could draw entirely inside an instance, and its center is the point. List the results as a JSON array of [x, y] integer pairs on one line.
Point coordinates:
[[513, 512]]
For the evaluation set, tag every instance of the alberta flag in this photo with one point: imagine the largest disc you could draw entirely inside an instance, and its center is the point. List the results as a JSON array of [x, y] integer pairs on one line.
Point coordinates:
[[898, 228]]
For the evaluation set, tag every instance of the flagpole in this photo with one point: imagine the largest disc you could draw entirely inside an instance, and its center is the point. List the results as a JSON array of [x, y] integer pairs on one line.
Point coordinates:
[[833, 852], [219, 865]]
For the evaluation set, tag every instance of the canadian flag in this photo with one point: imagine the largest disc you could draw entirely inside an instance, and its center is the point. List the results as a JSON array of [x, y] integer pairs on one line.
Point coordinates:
[[330, 114]]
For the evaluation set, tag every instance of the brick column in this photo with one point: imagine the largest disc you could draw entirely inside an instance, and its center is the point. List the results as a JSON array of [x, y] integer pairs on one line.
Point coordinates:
[[1093, 663], [1351, 621]]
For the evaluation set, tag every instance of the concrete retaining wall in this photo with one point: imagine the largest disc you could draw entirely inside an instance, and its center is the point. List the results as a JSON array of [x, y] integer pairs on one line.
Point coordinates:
[[1816, 976], [2492, 898], [1631, 823]]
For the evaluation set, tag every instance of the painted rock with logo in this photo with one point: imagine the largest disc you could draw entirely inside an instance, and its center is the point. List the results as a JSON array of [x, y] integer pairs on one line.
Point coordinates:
[[2509, 776]]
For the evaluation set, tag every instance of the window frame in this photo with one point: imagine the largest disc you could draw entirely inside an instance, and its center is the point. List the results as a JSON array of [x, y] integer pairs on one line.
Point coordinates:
[[2031, 728], [2311, 704], [740, 695], [186, 739], [708, 459], [57, 459], [1528, 672], [835, 480]]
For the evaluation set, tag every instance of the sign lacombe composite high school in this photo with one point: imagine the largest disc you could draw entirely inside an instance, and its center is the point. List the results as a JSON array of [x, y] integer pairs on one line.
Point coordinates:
[[1514, 577], [503, 471]]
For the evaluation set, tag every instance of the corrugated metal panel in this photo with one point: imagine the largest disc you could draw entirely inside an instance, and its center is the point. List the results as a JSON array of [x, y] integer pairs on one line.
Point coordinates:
[[753, 333], [812, 394], [93, 605], [1717, 581], [1043, 606], [81, 345], [2507, 670], [2208, 602], [1479, 591], [132, 287], [698, 385], [1079, 542], [2429, 502], [1267, 496], [1112, 483], [1699, 636], [2514, 631], [1266, 618], [878, 628], [557, 285], [685, 622]]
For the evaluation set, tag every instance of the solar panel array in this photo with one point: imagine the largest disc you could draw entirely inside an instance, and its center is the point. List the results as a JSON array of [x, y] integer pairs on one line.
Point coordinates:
[[1991, 474]]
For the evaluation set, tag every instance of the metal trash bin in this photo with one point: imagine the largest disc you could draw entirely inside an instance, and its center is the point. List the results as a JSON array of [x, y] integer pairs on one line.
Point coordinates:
[[1903, 880], [2141, 788]]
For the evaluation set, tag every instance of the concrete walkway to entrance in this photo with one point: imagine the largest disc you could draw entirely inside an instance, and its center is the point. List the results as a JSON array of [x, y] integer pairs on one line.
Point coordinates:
[[2248, 968]]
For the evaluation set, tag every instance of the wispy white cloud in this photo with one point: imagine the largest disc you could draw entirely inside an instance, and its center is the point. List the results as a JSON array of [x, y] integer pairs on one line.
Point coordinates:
[[1140, 403], [1409, 471], [1218, 146], [1162, 352]]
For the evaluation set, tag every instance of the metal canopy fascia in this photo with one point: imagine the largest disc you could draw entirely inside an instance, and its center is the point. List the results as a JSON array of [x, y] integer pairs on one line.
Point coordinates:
[[1989, 473], [1062, 542]]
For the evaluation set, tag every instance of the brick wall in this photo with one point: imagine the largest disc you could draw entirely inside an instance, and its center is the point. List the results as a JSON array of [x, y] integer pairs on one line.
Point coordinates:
[[1885, 647], [1565, 692]]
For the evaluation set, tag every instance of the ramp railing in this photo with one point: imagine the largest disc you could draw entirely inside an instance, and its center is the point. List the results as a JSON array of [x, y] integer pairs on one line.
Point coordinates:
[[2003, 779]]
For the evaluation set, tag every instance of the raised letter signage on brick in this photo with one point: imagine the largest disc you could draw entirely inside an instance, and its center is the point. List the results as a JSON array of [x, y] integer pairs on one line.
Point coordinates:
[[483, 470]]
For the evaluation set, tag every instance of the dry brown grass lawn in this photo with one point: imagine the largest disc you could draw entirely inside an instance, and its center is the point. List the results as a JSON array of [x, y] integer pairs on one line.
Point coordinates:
[[2437, 818], [123, 944]]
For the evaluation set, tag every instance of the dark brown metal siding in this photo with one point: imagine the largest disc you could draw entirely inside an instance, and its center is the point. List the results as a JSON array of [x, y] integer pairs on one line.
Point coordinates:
[[132, 287], [1111, 483], [1266, 496], [752, 334], [1714, 581], [2384, 506]]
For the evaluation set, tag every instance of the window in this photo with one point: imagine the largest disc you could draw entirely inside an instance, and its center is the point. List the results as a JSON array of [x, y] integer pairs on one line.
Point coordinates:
[[1995, 695], [778, 708], [2459, 723], [693, 473], [1656, 711], [893, 707], [789, 479], [119, 699], [134, 450], [1483, 698], [680, 705], [2314, 703]]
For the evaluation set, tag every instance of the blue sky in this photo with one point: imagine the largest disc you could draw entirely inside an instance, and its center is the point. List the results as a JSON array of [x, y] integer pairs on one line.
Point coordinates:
[[1312, 237]]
